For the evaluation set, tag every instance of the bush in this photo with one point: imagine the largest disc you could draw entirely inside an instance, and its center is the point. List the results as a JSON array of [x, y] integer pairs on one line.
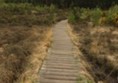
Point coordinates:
[[95, 16], [73, 16], [53, 8], [27, 14], [17, 43], [85, 14], [112, 15]]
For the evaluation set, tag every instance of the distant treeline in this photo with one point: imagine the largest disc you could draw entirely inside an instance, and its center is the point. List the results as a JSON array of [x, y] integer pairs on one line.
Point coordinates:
[[69, 3]]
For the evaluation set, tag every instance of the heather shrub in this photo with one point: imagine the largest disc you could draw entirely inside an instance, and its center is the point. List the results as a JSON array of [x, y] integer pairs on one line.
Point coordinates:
[[112, 15], [96, 15]]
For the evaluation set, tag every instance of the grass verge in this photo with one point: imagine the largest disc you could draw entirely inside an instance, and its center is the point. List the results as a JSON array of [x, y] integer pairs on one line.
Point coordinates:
[[84, 75], [17, 47], [99, 47]]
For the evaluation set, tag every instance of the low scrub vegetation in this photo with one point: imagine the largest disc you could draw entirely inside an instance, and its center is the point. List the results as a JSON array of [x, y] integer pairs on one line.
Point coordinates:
[[99, 45], [97, 16], [16, 45], [68, 3], [28, 14], [97, 34], [101, 48], [22, 25]]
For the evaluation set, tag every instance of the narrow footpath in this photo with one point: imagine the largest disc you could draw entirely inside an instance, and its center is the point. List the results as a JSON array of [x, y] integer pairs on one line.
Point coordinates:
[[60, 65]]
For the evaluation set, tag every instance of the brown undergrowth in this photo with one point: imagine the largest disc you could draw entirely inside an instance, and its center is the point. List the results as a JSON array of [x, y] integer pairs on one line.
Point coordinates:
[[18, 46], [99, 45], [84, 75], [31, 73]]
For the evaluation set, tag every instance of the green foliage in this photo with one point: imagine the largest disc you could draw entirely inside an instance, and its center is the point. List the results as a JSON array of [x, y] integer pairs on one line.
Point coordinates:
[[53, 8], [96, 15], [16, 8], [27, 14], [112, 15], [69, 3], [73, 16], [1, 1], [41, 9], [84, 14]]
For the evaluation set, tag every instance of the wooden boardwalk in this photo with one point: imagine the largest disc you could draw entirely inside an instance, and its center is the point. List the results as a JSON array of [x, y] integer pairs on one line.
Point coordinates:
[[60, 66]]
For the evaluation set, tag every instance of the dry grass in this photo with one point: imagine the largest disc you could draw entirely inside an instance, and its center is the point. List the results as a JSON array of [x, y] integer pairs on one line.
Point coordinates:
[[103, 48], [26, 14], [31, 73], [17, 44], [99, 45], [84, 75]]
